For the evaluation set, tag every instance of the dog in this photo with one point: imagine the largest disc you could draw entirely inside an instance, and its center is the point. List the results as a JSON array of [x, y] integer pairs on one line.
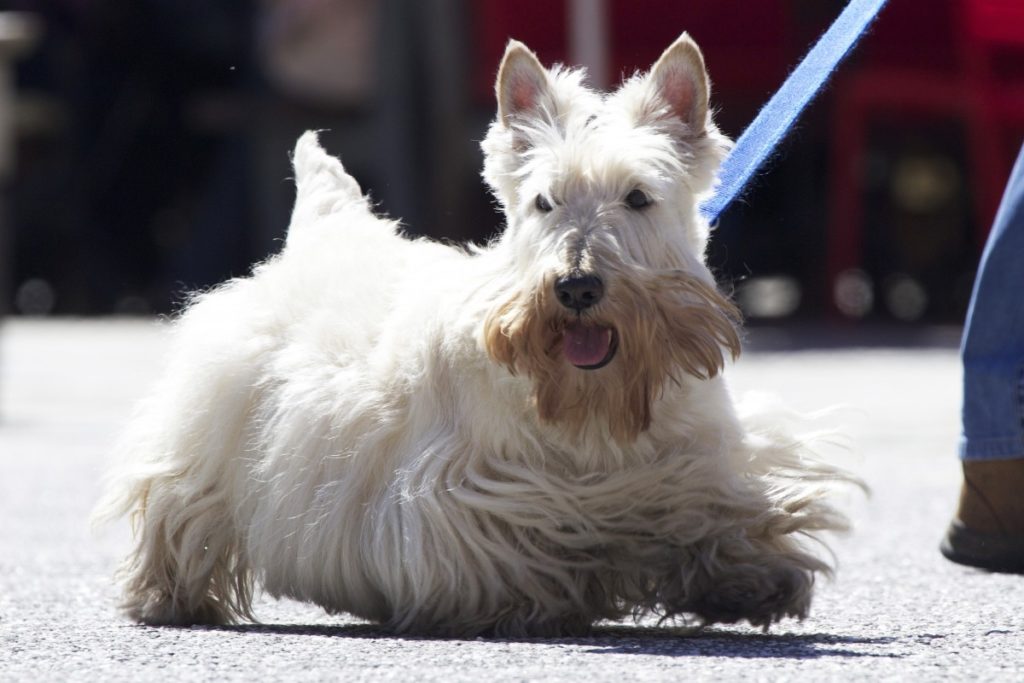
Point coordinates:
[[521, 439]]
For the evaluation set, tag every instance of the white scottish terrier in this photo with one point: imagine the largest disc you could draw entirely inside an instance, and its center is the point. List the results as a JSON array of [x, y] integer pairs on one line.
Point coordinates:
[[520, 439]]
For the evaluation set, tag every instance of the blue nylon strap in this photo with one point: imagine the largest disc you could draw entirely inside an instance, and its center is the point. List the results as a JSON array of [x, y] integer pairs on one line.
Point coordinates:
[[775, 119]]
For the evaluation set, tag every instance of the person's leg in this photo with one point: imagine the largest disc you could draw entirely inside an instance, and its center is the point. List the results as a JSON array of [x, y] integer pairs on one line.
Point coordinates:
[[989, 527]]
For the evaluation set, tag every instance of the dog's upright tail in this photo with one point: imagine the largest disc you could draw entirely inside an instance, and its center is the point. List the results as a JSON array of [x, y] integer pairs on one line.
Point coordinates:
[[322, 185]]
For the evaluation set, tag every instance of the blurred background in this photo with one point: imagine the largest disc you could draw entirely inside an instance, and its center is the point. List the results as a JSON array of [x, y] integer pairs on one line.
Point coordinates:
[[144, 143]]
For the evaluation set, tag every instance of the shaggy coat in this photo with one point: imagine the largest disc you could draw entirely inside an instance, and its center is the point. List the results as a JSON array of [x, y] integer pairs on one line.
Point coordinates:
[[392, 427]]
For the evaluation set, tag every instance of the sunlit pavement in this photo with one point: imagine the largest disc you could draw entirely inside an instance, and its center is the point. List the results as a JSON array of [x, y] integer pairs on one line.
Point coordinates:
[[896, 611]]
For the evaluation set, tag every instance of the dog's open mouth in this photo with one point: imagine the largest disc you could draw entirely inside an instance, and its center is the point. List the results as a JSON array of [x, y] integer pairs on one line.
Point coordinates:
[[589, 347]]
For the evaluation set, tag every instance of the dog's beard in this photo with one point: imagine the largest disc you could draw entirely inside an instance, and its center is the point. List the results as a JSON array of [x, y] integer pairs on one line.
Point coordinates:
[[664, 324]]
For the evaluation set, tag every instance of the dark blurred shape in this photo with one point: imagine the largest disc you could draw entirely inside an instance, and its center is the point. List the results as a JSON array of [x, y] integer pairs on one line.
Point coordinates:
[[970, 75], [160, 165], [905, 297], [129, 154], [854, 293], [34, 297], [19, 32], [320, 51]]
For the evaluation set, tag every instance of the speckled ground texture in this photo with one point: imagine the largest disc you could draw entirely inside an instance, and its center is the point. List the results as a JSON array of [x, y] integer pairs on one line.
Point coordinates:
[[897, 610]]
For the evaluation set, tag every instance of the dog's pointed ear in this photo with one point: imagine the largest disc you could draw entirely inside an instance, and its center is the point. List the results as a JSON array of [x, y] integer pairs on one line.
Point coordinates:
[[523, 86], [679, 81]]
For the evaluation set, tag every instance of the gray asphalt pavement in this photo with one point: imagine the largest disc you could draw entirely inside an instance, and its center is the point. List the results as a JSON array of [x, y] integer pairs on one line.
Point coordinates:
[[897, 610]]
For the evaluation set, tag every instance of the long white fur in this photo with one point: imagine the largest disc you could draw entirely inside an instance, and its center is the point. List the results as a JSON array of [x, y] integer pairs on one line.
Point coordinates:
[[333, 429]]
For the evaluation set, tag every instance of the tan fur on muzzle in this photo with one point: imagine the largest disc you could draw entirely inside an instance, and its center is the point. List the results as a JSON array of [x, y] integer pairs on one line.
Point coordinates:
[[666, 323]]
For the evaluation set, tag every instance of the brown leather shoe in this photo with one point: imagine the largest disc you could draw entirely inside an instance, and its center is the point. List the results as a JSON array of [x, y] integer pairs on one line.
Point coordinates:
[[988, 530]]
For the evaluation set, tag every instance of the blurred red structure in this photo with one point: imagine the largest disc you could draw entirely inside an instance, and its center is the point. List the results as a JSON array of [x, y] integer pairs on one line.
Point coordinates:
[[748, 46], [973, 74], [541, 24]]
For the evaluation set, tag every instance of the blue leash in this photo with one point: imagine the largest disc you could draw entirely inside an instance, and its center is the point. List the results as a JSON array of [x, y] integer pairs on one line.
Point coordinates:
[[776, 118]]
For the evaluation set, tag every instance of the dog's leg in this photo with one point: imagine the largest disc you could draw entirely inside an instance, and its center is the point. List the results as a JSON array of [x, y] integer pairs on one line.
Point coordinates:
[[187, 567], [182, 479], [759, 580], [756, 566]]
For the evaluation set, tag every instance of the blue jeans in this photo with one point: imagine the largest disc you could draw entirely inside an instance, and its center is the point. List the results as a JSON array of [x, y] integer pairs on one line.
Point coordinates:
[[993, 344]]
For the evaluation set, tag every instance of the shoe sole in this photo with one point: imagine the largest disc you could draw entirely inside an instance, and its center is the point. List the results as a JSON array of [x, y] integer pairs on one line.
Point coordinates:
[[994, 552]]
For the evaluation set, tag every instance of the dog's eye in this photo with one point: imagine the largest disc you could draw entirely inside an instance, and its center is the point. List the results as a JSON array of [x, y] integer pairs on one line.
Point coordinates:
[[542, 204], [637, 199]]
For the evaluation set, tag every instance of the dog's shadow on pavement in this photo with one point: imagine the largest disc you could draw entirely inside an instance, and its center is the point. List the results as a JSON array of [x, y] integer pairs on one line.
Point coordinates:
[[635, 640], [674, 642]]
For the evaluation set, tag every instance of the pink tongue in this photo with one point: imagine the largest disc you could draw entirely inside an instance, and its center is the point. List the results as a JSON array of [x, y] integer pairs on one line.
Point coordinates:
[[586, 345]]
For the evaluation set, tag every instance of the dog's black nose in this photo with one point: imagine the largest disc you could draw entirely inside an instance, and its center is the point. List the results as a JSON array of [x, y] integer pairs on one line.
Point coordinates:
[[579, 291]]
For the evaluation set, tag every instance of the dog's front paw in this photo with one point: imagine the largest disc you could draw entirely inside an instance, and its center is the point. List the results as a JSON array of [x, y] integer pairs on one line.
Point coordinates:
[[761, 595], [155, 608]]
